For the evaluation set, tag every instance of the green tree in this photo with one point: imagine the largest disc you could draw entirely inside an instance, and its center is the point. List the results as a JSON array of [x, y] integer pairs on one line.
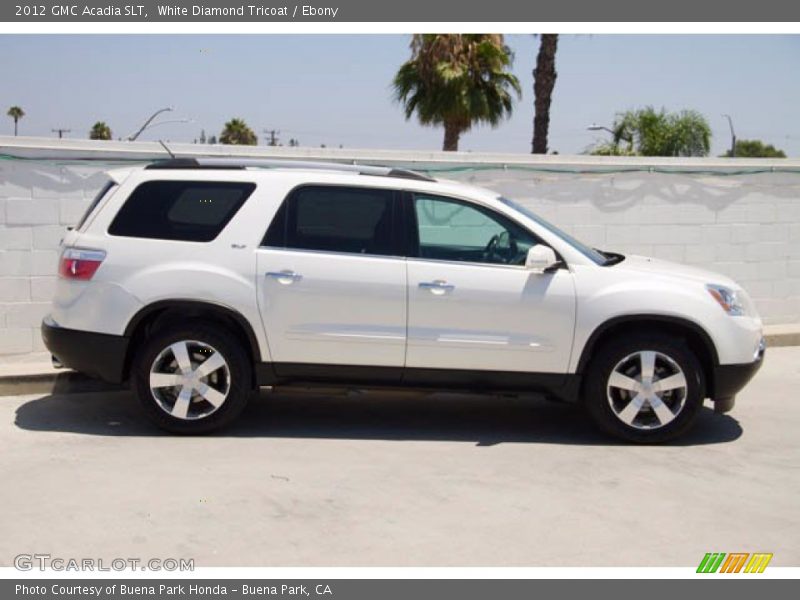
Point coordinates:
[[100, 131], [16, 113], [457, 81], [647, 132], [237, 132], [611, 149], [755, 149], [544, 80]]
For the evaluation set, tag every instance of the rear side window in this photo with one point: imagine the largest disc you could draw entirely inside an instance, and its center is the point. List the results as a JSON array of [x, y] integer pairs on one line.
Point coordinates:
[[189, 211], [109, 185], [335, 219]]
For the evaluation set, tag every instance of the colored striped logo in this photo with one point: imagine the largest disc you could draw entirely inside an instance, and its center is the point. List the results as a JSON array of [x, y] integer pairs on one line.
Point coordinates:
[[735, 562]]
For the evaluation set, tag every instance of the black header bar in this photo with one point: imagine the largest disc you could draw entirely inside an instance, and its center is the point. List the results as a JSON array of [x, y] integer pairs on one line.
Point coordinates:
[[443, 11]]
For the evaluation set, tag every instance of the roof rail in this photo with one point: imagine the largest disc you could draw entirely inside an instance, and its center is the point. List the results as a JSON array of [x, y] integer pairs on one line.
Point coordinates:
[[255, 163]]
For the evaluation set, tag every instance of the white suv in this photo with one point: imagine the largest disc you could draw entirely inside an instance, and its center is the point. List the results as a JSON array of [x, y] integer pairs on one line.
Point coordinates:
[[199, 280]]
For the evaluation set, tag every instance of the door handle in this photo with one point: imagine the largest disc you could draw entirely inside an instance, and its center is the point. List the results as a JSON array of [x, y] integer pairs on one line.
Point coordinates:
[[438, 286], [285, 277]]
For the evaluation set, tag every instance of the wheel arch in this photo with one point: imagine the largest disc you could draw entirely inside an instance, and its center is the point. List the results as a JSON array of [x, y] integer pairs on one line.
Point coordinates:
[[156, 313], [698, 339]]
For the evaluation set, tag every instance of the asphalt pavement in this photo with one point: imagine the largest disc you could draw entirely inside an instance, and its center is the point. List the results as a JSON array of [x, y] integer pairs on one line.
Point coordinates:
[[389, 479]]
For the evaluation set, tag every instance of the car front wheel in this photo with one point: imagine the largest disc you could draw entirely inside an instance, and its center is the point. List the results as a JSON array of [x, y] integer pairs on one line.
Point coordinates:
[[645, 388]]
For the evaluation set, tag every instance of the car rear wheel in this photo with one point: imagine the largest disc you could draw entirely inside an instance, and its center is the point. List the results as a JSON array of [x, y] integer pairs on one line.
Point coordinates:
[[192, 378], [645, 388]]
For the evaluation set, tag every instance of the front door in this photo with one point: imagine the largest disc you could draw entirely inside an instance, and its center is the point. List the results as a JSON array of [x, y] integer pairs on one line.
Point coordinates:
[[472, 304]]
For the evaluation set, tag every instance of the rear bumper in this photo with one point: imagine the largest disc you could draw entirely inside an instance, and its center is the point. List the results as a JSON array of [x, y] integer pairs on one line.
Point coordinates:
[[96, 354], [730, 379]]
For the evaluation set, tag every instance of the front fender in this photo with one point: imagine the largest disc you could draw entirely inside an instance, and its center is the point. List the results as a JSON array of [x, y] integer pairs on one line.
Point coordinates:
[[604, 301]]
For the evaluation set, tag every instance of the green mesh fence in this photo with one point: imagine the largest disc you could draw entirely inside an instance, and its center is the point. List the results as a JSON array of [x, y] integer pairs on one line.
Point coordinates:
[[455, 168]]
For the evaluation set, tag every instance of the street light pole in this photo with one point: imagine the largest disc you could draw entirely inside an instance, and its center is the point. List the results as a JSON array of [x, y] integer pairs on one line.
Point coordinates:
[[162, 123], [133, 137], [594, 127], [733, 136]]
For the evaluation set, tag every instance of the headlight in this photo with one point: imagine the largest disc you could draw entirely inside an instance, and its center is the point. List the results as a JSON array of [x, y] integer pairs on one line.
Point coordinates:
[[727, 298]]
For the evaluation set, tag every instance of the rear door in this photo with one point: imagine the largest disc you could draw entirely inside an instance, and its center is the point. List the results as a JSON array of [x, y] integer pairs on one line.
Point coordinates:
[[332, 283]]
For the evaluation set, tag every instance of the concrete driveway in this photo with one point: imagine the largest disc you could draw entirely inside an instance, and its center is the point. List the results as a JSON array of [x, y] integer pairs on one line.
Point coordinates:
[[384, 479]]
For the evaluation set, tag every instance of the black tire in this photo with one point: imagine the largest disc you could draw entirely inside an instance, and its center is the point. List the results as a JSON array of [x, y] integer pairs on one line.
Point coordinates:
[[596, 394], [238, 378]]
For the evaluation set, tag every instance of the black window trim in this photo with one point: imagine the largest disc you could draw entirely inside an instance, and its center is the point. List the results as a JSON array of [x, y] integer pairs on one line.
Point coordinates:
[[103, 193], [405, 230], [412, 235], [398, 248], [253, 186]]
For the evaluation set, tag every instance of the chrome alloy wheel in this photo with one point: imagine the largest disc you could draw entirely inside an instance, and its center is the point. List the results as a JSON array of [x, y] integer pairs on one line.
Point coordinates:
[[647, 390], [189, 379]]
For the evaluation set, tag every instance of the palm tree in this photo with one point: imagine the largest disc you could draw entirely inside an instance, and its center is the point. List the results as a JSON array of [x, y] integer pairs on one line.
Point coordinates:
[[100, 131], [16, 113], [544, 80], [648, 132], [237, 132], [457, 81]]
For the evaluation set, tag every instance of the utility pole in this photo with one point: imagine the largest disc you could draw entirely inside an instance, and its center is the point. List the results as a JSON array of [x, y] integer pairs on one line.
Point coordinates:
[[61, 132], [733, 136], [273, 136]]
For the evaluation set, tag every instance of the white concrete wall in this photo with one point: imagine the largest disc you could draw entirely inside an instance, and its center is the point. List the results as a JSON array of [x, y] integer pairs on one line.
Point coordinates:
[[740, 217]]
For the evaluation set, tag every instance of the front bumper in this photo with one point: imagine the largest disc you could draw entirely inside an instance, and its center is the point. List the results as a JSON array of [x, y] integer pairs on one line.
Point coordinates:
[[730, 379], [97, 354]]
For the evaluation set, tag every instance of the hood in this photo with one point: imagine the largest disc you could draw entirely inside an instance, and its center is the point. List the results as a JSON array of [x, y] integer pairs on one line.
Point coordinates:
[[656, 266]]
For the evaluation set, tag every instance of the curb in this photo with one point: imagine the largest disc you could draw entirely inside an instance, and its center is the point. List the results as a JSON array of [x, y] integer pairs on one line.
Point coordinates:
[[779, 339], [43, 379]]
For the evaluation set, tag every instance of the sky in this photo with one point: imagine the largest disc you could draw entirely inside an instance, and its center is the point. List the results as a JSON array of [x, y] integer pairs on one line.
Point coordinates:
[[336, 89]]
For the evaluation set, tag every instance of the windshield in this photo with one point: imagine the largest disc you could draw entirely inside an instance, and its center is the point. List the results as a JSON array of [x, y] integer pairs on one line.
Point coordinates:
[[594, 255]]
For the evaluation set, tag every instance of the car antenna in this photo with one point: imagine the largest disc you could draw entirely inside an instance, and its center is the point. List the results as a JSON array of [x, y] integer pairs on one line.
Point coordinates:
[[171, 154]]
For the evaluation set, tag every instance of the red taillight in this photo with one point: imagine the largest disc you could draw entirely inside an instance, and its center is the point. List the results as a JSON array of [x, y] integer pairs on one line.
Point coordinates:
[[80, 263]]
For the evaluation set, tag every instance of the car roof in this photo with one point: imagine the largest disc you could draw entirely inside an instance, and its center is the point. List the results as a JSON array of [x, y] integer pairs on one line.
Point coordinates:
[[299, 172]]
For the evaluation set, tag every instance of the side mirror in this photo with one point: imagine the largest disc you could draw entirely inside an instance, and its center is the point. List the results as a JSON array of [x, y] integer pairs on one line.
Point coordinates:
[[540, 258]]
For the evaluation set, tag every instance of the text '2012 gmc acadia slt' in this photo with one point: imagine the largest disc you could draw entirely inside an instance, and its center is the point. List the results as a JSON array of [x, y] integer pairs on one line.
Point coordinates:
[[198, 280]]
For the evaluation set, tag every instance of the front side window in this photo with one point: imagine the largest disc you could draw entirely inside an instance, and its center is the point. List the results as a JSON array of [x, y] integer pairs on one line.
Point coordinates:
[[190, 211], [335, 219], [453, 230]]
